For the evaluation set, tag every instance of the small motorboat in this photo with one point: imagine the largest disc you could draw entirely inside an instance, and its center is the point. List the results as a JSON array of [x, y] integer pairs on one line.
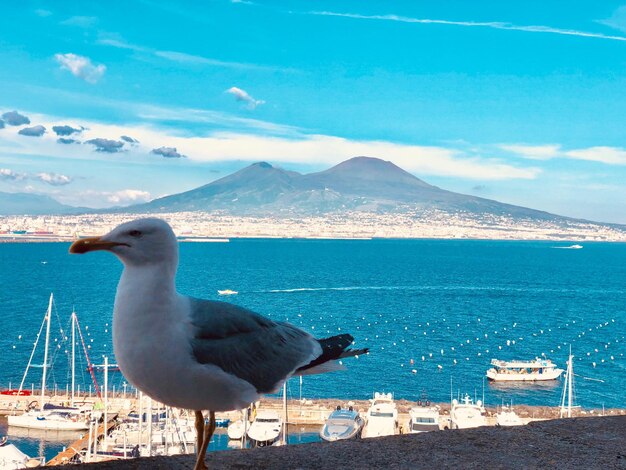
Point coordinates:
[[3, 440], [342, 424], [508, 417], [236, 430], [227, 292], [265, 429]]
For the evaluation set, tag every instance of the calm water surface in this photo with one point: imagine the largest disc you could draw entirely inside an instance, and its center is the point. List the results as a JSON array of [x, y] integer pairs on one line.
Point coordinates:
[[433, 312]]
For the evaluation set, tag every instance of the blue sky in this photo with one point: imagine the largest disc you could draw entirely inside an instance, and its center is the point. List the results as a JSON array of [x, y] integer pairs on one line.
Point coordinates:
[[522, 102]]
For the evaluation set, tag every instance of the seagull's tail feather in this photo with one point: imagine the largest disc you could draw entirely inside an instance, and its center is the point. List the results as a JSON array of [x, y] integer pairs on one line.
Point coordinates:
[[333, 348]]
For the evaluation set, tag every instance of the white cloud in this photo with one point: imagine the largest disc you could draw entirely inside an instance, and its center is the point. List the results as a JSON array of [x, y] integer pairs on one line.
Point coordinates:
[[242, 95], [480, 24], [617, 19], [7, 174], [607, 155], [80, 21], [294, 147], [127, 196], [81, 67], [534, 152], [53, 179]]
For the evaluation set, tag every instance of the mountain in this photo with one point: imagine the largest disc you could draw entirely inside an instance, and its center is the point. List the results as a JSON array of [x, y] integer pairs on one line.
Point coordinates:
[[358, 184], [32, 204]]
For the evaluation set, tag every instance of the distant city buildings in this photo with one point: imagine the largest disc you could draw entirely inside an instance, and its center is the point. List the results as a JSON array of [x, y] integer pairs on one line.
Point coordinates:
[[417, 224]]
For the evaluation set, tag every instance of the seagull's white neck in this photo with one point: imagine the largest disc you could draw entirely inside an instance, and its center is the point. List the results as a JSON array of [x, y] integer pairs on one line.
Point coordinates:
[[148, 279]]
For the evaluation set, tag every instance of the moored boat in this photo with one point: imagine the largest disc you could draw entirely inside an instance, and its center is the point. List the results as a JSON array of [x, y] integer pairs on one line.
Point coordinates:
[[508, 417], [227, 292], [466, 414], [523, 371], [424, 417], [265, 429], [382, 416], [342, 424]]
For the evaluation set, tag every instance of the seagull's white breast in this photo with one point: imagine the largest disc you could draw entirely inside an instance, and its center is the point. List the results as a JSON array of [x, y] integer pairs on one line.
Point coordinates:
[[152, 339]]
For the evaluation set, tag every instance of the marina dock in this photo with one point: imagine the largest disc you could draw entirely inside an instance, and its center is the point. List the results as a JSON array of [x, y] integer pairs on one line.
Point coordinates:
[[81, 444]]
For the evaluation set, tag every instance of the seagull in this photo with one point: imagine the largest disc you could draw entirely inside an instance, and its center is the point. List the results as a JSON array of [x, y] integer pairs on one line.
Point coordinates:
[[192, 353]]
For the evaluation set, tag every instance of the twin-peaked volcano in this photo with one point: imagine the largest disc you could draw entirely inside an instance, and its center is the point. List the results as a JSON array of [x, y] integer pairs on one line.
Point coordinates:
[[361, 184]]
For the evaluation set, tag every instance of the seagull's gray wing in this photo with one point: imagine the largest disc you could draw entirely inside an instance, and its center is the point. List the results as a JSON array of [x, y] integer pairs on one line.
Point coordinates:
[[248, 345]]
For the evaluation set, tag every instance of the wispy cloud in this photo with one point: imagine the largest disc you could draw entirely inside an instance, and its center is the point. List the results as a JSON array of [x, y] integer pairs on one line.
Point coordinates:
[[53, 179], [600, 154], [296, 147], [81, 67], [617, 19], [10, 175], [81, 21], [534, 152], [607, 155], [114, 40], [477, 24], [242, 95]]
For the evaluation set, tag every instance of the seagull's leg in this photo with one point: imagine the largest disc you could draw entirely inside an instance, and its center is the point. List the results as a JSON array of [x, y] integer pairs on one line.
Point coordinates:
[[208, 433], [199, 440]]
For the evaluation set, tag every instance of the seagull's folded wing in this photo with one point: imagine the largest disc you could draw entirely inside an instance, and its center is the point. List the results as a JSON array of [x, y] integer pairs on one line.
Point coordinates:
[[248, 345]]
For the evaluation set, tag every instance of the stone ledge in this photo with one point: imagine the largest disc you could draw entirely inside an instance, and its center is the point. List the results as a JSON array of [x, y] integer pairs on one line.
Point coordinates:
[[577, 443]]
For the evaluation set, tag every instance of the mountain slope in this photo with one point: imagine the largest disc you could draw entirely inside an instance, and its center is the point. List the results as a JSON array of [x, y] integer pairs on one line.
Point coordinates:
[[32, 204], [361, 184]]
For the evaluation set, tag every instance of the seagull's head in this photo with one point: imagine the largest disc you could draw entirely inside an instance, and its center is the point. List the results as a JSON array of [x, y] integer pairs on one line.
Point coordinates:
[[140, 242]]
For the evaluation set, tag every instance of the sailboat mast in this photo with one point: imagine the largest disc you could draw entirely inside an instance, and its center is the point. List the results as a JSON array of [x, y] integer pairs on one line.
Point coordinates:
[[73, 355], [570, 371], [45, 353]]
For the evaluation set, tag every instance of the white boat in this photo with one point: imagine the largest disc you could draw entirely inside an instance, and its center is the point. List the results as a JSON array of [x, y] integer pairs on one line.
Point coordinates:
[[227, 292], [342, 424], [50, 420], [523, 371], [265, 429], [508, 417], [46, 416], [424, 417], [466, 414], [236, 430], [11, 458], [571, 247], [382, 416]]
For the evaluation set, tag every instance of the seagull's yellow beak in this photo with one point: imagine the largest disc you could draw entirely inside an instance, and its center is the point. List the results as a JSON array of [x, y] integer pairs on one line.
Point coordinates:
[[85, 245]]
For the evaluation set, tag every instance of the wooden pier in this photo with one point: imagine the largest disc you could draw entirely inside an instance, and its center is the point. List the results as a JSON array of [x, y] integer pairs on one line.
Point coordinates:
[[81, 444]]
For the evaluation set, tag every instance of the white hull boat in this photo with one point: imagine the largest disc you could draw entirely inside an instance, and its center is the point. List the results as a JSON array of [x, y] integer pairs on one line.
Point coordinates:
[[508, 417], [236, 430], [265, 429], [53, 421], [423, 418], [382, 417], [11, 458], [523, 371], [466, 414], [342, 425]]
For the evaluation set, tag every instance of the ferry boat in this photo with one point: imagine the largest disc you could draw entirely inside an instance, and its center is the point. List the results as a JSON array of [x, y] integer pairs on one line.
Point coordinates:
[[523, 371]]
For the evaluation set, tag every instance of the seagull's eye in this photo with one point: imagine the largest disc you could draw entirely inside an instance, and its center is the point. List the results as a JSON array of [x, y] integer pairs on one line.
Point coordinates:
[[135, 233]]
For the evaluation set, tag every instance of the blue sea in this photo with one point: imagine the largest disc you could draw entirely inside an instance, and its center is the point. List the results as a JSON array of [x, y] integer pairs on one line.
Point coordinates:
[[433, 312]]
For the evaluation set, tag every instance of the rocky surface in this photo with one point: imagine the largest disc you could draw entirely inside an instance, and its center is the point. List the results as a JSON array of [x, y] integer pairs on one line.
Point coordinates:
[[577, 443]]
